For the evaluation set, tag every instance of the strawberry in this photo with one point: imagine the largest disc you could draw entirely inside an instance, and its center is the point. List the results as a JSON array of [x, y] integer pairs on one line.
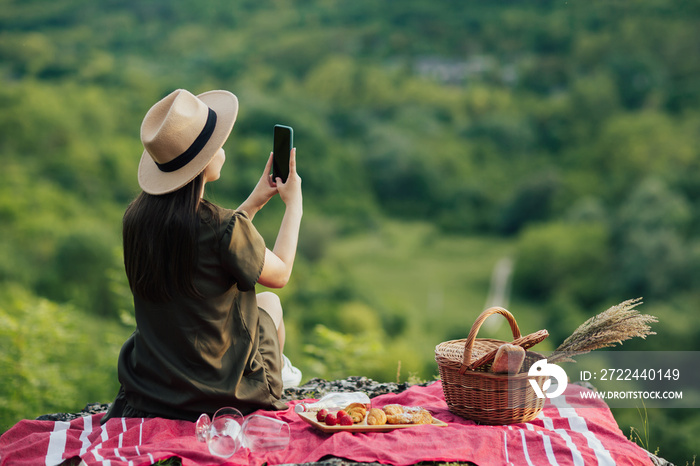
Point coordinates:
[[321, 415], [331, 419], [345, 420]]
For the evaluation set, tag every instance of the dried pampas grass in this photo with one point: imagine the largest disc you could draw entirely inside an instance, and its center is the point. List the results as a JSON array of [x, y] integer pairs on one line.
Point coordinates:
[[613, 326]]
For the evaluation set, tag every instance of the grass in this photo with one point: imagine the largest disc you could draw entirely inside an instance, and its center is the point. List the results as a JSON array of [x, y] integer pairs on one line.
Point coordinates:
[[641, 437]]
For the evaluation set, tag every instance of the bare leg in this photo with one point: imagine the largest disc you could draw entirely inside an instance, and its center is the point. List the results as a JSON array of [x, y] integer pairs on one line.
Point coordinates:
[[270, 302]]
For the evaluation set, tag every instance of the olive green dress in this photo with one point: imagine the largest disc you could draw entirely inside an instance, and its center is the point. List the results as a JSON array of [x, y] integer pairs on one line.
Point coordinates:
[[192, 356]]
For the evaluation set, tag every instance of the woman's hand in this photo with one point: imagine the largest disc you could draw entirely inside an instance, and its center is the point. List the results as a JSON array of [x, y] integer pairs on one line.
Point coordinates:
[[290, 190], [263, 192]]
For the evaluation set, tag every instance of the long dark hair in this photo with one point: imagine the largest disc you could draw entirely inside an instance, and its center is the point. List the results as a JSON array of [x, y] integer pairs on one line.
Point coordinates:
[[160, 242]]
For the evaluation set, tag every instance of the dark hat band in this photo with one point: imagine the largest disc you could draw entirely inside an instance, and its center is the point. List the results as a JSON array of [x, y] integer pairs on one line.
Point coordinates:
[[196, 147]]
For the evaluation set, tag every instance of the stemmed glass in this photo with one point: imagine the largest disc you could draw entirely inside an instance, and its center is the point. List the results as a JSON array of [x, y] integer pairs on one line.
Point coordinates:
[[227, 432]]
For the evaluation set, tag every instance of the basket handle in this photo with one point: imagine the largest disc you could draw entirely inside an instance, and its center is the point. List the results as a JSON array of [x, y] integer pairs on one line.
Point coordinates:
[[469, 344]]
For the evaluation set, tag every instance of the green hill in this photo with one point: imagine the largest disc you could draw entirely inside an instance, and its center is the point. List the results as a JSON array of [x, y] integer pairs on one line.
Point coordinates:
[[434, 140]]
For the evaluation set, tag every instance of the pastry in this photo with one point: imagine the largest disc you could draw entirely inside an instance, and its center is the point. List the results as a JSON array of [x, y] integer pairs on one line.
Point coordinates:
[[393, 409], [357, 412], [376, 417], [356, 405], [509, 359], [422, 417], [397, 414]]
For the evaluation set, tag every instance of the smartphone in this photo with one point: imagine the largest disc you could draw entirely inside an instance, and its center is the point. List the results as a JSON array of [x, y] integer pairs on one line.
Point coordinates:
[[283, 141]]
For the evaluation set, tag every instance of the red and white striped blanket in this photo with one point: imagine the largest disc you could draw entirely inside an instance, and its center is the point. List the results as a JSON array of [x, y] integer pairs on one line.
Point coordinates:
[[569, 431]]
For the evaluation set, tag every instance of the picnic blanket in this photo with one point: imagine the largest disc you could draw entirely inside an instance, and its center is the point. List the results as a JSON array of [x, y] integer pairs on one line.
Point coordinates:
[[570, 430]]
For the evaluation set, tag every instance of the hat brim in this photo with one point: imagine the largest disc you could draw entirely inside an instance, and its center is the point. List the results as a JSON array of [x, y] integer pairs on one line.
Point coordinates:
[[154, 181]]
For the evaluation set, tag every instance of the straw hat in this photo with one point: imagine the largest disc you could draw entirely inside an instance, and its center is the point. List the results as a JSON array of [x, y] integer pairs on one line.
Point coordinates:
[[180, 135]]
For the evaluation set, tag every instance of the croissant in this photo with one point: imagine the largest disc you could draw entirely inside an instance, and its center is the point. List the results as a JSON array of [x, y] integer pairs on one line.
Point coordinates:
[[356, 405], [357, 412], [376, 417], [357, 415]]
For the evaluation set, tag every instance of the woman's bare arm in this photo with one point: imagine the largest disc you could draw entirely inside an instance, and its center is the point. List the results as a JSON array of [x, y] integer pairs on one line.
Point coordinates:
[[280, 261]]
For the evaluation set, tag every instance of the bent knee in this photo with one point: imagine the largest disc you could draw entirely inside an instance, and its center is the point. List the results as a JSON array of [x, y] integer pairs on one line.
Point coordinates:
[[268, 298], [271, 304]]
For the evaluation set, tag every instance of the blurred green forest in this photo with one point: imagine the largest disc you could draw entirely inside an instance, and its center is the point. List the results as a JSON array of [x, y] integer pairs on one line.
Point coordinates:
[[436, 140]]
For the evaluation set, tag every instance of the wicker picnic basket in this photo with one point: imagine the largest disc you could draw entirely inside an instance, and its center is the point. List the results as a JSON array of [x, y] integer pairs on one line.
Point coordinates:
[[473, 392]]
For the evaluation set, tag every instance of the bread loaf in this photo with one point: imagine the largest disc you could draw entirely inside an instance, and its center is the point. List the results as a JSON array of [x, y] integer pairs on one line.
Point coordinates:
[[509, 359]]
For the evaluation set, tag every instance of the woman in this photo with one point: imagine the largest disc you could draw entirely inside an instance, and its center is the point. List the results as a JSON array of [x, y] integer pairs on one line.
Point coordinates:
[[203, 338]]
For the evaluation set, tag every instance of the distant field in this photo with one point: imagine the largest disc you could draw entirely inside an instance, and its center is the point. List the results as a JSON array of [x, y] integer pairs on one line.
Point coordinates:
[[441, 283]]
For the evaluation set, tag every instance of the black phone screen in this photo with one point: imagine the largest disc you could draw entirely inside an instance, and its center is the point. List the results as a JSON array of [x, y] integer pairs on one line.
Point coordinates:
[[282, 146]]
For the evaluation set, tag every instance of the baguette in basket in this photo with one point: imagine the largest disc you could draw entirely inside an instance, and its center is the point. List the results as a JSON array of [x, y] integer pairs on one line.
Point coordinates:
[[508, 360]]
